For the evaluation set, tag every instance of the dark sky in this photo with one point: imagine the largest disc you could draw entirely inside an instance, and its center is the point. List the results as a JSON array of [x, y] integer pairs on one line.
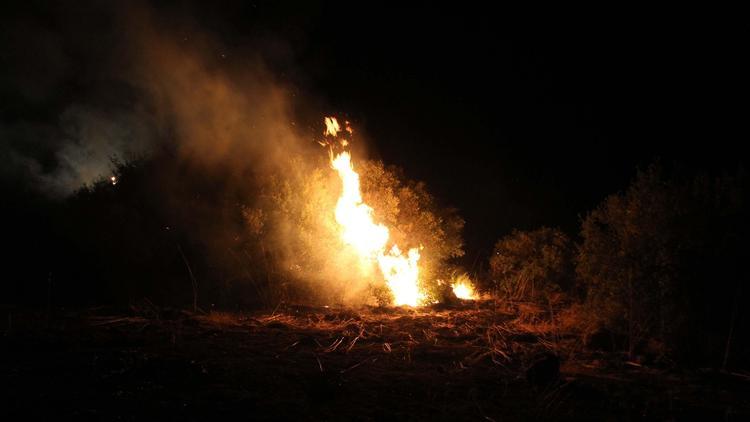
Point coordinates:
[[518, 121]]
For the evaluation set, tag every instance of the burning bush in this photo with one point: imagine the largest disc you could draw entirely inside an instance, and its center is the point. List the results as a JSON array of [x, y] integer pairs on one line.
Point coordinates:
[[415, 218], [300, 212]]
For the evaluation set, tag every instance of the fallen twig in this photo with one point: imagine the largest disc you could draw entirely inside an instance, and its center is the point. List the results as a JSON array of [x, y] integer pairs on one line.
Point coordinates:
[[334, 345], [357, 365]]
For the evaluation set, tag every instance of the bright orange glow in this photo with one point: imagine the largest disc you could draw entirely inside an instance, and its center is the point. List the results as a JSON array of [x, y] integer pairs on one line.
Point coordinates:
[[370, 239], [354, 216], [463, 288], [402, 275]]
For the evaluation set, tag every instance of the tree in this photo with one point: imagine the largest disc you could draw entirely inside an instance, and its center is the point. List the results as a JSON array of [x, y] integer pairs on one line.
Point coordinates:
[[661, 260]]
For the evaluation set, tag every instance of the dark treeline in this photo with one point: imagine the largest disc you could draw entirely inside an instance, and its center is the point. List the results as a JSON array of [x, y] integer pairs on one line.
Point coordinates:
[[659, 269], [139, 238]]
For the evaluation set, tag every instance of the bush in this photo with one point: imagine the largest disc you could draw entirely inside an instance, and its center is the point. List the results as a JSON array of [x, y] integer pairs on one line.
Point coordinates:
[[302, 236], [415, 219], [532, 266]]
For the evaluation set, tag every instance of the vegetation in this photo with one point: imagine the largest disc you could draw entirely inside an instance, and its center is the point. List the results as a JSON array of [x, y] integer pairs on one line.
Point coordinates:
[[416, 219], [179, 232], [662, 262], [532, 266], [293, 218], [659, 269]]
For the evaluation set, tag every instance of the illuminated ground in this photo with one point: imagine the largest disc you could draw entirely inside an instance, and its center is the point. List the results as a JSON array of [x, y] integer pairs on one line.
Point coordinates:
[[464, 362]]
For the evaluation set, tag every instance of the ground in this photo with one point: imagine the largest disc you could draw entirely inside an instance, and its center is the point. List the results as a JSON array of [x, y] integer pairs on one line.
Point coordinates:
[[469, 361]]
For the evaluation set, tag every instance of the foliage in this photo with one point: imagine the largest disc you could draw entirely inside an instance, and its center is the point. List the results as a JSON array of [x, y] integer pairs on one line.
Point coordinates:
[[415, 219], [662, 260], [531, 266], [299, 236]]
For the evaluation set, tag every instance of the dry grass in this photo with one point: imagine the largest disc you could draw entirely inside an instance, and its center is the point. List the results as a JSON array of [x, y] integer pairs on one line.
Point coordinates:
[[221, 318], [474, 333], [462, 362]]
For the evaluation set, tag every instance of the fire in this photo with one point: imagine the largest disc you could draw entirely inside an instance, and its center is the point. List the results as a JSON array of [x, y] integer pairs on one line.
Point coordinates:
[[354, 216], [332, 126], [370, 239], [402, 275], [463, 288]]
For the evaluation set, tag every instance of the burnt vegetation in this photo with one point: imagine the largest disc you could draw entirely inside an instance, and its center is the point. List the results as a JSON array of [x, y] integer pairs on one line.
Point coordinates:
[[651, 290]]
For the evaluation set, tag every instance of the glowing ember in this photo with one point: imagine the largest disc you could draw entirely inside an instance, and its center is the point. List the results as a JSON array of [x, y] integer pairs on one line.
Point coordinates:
[[463, 289], [369, 239]]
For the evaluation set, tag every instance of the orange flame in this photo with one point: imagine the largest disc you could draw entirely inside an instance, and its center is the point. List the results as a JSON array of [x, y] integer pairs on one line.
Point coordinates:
[[369, 239], [332, 126], [463, 288]]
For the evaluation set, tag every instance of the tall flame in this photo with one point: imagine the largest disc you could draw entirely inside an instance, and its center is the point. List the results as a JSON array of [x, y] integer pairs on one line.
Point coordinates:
[[354, 216], [370, 239]]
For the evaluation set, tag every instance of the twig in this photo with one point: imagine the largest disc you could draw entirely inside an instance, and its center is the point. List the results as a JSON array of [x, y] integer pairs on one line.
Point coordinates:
[[355, 340], [746, 377], [334, 345], [246, 271], [276, 308], [357, 365], [192, 278], [292, 345]]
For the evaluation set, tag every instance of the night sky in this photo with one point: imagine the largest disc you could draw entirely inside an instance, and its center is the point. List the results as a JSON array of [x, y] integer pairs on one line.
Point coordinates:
[[518, 121]]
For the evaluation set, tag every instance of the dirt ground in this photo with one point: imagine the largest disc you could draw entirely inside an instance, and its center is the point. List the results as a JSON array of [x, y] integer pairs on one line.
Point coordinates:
[[465, 362]]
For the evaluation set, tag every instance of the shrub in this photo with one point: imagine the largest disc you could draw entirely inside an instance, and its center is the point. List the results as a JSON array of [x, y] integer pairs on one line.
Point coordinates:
[[533, 265]]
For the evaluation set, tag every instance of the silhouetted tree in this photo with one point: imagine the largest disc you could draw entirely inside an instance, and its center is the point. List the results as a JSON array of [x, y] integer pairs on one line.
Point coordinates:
[[662, 261]]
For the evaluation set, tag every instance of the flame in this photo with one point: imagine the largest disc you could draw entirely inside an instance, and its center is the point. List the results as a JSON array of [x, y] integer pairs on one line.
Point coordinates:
[[332, 126], [402, 275], [370, 239], [354, 216], [463, 288]]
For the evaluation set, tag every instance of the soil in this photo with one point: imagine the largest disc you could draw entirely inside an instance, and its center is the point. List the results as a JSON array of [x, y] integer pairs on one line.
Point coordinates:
[[471, 361]]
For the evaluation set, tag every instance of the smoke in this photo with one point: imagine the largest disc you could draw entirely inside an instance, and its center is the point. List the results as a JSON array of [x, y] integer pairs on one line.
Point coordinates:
[[221, 113], [158, 80], [82, 147], [227, 111], [114, 82], [231, 113]]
